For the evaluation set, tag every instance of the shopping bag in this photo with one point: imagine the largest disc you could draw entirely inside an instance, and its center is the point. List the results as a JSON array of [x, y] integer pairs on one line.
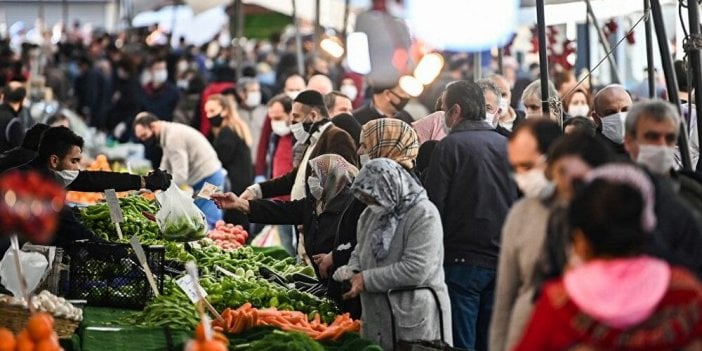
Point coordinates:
[[268, 237], [179, 218]]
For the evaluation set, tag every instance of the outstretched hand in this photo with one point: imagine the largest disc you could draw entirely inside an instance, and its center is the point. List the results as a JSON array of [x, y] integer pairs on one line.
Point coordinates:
[[229, 201]]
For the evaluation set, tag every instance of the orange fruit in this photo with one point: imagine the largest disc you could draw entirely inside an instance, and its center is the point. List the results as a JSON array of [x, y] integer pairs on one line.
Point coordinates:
[[50, 344], [24, 342], [7, 340], [200, 332], [40, 326]]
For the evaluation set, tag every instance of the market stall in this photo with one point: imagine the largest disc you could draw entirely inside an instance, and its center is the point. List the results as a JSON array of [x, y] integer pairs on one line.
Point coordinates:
[[133, 290]]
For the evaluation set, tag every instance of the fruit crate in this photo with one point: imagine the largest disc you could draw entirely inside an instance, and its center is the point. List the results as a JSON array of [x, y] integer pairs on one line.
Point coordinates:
[[109, 274]]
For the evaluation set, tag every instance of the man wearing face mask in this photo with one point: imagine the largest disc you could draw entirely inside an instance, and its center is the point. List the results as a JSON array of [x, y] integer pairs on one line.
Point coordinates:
[[187, 155], [160, 96], [315, 135], [609, 112], [250, 109], [652, 129], [509, 118], [11, 130], [472, 209], [294, 85], [278, 159], [493, 103], [340, 109], [527, 149], [385, 103]]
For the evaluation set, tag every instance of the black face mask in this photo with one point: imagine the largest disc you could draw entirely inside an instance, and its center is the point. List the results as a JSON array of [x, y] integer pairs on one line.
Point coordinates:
[[216, 121], [151, 142], [15, 95], [400, 105]]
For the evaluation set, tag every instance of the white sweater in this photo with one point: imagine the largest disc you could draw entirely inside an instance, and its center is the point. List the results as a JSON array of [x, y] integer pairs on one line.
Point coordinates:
[[187, 155]]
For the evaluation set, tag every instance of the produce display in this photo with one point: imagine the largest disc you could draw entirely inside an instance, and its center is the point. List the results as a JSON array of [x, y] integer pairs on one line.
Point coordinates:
[[218, 341], [228, 236], [184, 229], [246, 317], [138, 220], [39, 335], [50, 303]]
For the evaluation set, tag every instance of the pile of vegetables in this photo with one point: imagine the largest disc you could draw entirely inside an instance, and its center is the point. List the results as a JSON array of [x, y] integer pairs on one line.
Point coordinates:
[[138, 214], [245, 317], [228, 236], [218, 341], [38, 335]]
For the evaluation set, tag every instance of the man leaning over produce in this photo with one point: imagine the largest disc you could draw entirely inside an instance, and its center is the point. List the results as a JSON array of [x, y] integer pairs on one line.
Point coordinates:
[[59, 158], [187, 155]]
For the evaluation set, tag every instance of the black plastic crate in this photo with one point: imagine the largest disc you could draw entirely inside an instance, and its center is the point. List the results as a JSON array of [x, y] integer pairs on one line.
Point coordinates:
[[109, 274]]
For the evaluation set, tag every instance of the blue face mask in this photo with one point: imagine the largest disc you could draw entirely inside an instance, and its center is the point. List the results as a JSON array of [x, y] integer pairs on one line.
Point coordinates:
[[267, 78]]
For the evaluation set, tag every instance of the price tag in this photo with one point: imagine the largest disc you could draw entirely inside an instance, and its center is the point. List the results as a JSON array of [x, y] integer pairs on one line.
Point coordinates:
[[188, 286], [207, 191], [113, 204]]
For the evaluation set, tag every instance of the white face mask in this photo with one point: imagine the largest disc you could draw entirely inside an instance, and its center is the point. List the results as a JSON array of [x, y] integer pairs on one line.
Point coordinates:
[[364, 159], [490, 118], [504, 106], [350, 91], [160, 76], [65, 177], [579, 110], [299, 132], [145, 78], [658, 159], [253, 98], [280, 128], [613, 127], [292, 94], [316, 188], [533, 183]]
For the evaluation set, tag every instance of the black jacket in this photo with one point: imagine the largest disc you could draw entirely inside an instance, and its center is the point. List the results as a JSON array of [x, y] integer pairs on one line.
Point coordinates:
[[324, 232], [11, 129], [368, 113], [91, 181], [469, 182], [16, 157], [618, 149], [235, 156]]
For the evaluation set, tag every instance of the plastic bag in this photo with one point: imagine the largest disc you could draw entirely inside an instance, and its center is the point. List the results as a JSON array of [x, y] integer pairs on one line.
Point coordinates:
[[179, 218], [34, 267], [268, 237]]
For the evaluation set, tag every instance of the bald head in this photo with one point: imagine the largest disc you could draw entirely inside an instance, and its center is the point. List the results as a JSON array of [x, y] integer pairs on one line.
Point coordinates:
[[610, 100], [294, 85], [320, 83]]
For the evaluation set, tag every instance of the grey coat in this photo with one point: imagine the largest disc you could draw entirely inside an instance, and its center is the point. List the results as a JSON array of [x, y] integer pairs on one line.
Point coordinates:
[[415, 258], [523, 239]]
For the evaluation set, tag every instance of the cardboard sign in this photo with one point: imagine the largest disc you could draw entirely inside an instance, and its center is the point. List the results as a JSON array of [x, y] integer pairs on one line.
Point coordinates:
[[113, 203], [189, 287]]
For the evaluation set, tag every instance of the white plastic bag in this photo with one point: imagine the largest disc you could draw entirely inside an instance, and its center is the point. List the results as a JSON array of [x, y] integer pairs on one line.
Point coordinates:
[[179, 218], [34, 267]]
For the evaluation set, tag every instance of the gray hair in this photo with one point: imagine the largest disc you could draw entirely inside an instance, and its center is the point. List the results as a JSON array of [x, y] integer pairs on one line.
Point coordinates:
[[657, 110], [486, 85], [245, 82], [534, 88]]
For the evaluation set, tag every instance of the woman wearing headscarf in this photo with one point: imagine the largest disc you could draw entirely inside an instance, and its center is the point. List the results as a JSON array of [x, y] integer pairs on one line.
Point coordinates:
[[390, 138], [329, 215], [400, 244]]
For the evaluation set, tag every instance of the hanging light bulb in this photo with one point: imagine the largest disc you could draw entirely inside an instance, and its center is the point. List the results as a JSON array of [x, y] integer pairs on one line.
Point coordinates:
[[429, 68], [332, 46], [411, 86], [358, 57]]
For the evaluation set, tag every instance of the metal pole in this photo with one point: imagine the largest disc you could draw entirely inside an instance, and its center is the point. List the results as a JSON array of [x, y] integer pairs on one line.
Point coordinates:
[[477, 65], [298, 41], [604, 43], [588, 57], [649, 53], [64, 7], [317, 24], [695, 64], [239, 36], [543, 58], [344, 30], [671, 81], [501, 60]]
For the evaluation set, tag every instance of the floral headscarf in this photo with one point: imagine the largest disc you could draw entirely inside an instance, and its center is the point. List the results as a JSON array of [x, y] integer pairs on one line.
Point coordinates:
[[330, 175], [394, 190], [391, 138]]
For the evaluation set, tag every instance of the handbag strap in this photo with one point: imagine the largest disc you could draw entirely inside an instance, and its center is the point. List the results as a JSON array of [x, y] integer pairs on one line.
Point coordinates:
[[415, 288]]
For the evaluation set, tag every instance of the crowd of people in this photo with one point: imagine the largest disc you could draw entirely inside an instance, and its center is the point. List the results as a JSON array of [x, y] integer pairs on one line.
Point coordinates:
[[510, 227]]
